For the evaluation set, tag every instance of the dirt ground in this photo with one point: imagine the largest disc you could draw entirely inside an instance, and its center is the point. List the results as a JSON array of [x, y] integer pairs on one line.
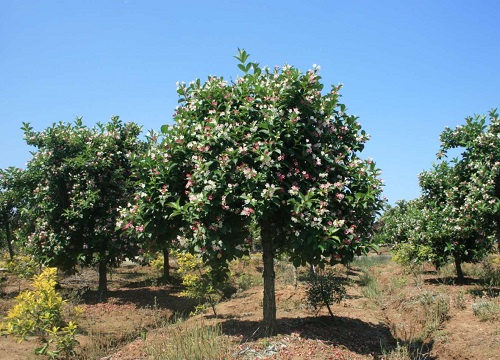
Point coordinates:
[[363, 327]]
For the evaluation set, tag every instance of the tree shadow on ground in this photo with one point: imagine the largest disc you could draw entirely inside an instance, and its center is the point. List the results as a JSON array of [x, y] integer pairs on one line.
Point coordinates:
[[356, 335], [160, 297], [451, 280]]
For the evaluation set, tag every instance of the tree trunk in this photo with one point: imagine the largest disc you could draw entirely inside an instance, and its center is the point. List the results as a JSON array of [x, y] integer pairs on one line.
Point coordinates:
[[269, 303], [9, 239], [166, 264], [498, 234], [103, 279], [460, 274]]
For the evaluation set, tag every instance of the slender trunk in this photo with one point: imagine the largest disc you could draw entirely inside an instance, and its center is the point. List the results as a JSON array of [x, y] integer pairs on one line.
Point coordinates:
[[269, 303], [166, 264], [497, 194], [498, 234], [9, 239], [460, 274], [103, 280], [323, 295]]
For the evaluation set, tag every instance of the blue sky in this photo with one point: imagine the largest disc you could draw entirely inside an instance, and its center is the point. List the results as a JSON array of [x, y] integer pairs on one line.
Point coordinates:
[[409, 68]]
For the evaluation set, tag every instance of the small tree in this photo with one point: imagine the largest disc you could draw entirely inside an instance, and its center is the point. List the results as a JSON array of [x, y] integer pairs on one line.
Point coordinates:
[[79, 178], [269, 148]]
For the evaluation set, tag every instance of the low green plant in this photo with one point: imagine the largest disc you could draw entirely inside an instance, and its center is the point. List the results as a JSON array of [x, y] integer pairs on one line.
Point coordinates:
[[195, 341], [39, 312], [23, 266], [157, 262], [60, 342], [486, 310], [405, 351], [198, 282], [366, 262], [244, 282], [436, 311], [370, 287], [459, 300], [325, 287]]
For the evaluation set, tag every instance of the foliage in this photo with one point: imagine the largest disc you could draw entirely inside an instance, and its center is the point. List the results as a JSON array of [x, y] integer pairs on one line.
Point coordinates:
[[39, 312], [23, 266], [486, 310], [198, 281], [436, 311], [11, 200], [79, 178], [160, 181], [459, 208], [271, 149], [60, 342], [324, 288]]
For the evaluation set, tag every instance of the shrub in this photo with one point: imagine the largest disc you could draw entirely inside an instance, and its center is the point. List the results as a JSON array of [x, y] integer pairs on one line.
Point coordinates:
[[486, 310], [23, 266], [38, 312], [324, 288], [198, 282]]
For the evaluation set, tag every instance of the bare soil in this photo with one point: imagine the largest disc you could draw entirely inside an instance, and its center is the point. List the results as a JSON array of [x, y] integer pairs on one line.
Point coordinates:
[[139, 306]]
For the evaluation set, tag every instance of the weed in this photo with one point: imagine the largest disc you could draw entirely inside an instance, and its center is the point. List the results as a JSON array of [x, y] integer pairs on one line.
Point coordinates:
[[459, 300], [195, 341], [406, 351], [370, 287], [436, 309], [366, 262], [244, 282], [486, 310]]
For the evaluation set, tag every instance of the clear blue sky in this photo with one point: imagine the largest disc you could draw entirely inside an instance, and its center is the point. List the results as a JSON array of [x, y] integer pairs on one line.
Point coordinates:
[[409, 68]]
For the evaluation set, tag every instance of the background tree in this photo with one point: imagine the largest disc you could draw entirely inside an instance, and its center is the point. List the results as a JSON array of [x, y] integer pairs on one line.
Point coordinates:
[[79, 178], [458, 210], [478, 171], [11, 198], [447, 231], [269, 148], [160, 181]]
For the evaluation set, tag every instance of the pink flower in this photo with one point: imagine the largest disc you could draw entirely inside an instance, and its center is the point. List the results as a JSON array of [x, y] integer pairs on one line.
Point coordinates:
[[247, 211]]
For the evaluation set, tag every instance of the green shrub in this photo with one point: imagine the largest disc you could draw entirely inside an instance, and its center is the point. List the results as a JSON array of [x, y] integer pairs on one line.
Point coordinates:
[[436, 309], [486, 310], [23, 266], [324, 288]]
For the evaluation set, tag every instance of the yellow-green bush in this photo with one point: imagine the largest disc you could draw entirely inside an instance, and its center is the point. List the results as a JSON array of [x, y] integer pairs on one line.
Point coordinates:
[[38, 312], [197, 281], [23, 266]]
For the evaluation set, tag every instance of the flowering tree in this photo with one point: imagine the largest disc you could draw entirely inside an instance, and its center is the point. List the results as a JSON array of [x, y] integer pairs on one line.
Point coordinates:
[[458, 210], [160, 181], [270, 148], [11, 198], [450, 233], [477, 172], [79, 178]]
